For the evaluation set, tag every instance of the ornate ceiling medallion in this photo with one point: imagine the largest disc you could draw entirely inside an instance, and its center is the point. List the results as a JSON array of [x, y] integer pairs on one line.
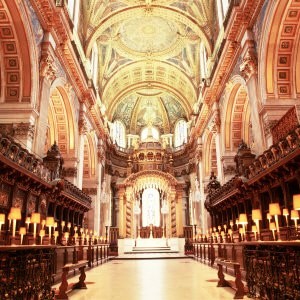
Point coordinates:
[[149, 36]]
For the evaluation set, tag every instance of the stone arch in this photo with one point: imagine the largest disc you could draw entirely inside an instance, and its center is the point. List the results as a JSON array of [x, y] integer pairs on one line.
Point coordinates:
[[89, 158], [15, 63], [236, 115], [280, 51], [61, 121], [210, 155]]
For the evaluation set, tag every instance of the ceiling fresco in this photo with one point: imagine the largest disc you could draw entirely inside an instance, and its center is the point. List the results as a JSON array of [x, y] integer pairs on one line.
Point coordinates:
[[148, 46]]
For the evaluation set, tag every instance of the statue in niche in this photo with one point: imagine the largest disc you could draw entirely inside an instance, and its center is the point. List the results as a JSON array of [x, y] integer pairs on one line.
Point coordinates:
[[54, 162]]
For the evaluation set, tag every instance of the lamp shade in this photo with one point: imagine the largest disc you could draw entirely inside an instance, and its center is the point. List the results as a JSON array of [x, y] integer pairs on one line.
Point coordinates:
[[243, 219], [50, 221], [274, 209], [42, 232], [294, 215], [22, 230], [296, 202], [35, 218], [2, 218], [15, 213], [272, 226], [56, 233], [256, 214], [285, 212]]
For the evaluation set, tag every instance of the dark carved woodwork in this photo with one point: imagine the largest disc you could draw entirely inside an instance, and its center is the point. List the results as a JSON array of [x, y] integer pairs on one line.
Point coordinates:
[[273, 270], [26, 272]]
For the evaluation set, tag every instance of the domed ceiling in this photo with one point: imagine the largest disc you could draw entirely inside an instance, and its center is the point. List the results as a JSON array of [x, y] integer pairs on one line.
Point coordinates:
[[149, 57]]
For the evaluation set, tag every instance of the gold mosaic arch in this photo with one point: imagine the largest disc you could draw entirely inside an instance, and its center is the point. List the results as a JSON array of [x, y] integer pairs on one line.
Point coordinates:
[[153, 73], [169, 13], [15, 58], [282, 67]]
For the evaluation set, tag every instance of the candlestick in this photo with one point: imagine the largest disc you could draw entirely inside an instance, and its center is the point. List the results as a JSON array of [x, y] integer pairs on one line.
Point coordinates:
[[254, 230], [295, 217], [66, 237], [27, 222], [35, 219], [285, 212], [273, 228], [69, 226], [269, 217], [243, 220], [230, 233], [50, 224], [256, 217], [274, 210]]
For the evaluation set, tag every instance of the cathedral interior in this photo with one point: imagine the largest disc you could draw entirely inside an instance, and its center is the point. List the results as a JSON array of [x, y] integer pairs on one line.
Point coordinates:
[[142, 126]]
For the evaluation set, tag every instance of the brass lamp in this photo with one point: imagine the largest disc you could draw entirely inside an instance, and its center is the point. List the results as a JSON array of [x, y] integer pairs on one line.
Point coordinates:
[[285, 212], [50, 224], [35, 219], [15, 214], [274, 210], [256, 217], [243, 221], [295, 217], [296, 202], [22, 232], [2, 220]]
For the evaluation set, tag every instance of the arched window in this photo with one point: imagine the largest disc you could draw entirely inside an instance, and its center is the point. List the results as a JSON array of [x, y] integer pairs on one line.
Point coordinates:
[[180, 133], [150, 207], [149, 132], [94, 64], [222, 7], [119, 134], [203, 61]]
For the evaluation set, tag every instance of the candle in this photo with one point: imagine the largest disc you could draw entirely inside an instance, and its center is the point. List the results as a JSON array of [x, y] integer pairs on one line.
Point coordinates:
[[22, 232]]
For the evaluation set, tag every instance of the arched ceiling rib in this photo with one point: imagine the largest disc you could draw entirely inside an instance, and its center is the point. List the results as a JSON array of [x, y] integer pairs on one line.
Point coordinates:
[[148, 46]]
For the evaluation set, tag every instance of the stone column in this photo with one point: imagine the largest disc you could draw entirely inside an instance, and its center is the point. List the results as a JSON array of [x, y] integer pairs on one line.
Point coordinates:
[[48, 70], [248, 70], [179, 207], [82, 126]]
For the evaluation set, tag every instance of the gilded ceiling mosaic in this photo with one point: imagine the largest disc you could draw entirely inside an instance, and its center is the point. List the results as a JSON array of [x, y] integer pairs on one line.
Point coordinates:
[[149, 57]]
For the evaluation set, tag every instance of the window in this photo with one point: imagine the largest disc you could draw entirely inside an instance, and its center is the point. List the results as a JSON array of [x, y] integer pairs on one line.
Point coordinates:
[[150, 207], [118, 133], [149, 132], [180, 133]]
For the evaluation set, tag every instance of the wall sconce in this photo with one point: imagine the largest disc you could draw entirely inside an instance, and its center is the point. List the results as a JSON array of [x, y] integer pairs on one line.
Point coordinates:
[[15, 214], [274, 210]]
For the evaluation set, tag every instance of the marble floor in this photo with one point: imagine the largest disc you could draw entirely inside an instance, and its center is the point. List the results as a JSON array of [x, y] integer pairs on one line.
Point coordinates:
[[154, 279]]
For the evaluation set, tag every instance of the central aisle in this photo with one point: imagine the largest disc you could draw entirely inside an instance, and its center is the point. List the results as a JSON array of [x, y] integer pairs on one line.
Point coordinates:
[[153, 279]]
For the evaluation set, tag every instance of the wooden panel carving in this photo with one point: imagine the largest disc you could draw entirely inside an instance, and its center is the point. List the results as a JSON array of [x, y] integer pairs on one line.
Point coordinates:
[[286, 124]]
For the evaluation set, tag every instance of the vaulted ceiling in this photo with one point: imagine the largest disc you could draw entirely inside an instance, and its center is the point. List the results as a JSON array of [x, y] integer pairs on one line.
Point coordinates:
[[149, 57]]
